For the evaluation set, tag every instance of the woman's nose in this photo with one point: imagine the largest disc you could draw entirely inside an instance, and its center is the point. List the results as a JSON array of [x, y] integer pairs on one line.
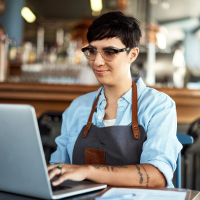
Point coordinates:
[[99, 59]]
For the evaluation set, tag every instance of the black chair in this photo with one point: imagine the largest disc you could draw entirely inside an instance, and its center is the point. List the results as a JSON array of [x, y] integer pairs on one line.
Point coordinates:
[[191, 154], [50, 127], [185, 140]]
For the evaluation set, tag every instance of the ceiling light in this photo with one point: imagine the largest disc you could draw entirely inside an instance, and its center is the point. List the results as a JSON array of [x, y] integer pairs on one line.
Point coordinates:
[[96, 5], [28, 15]]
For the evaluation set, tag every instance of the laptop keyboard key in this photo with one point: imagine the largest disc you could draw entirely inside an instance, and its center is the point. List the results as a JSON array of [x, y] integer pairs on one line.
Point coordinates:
[[59, 187]]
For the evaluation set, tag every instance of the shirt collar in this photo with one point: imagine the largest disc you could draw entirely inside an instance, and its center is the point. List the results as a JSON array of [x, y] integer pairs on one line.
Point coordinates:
[[128, 95], [101, 97]]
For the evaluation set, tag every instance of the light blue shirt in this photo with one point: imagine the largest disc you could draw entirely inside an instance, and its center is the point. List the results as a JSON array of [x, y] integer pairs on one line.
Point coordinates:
[[156, 113]]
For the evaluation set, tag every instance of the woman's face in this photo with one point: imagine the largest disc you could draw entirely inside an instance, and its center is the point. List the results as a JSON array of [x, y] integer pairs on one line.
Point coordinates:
[[116, 71]]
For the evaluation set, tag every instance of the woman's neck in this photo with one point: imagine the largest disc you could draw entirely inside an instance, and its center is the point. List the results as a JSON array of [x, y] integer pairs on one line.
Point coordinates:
[[115, 92]]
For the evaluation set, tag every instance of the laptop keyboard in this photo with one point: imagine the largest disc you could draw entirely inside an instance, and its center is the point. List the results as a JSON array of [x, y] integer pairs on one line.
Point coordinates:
[[59, 187]]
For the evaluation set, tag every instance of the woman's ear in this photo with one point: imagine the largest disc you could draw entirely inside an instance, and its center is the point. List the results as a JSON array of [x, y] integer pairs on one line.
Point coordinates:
[[133, 54]]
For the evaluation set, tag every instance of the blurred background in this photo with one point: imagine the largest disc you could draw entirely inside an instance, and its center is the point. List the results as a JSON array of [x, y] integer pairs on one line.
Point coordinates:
[[46, 37], [41, 62]]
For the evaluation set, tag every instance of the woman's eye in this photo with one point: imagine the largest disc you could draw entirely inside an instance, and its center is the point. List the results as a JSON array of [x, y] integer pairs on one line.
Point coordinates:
[[91, 51], [108, 52]]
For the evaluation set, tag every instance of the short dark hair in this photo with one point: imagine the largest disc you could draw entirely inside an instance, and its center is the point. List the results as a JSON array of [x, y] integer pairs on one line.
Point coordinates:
[[115, 24]]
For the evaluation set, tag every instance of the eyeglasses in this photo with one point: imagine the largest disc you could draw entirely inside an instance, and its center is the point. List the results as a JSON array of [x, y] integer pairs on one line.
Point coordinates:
[[108, 54]]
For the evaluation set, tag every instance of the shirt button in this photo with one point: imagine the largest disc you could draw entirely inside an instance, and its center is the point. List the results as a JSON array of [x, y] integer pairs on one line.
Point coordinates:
[[99, 117]]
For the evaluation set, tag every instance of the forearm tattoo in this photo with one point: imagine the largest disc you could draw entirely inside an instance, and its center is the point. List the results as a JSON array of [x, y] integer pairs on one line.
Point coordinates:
[[140, 174], [147, 176], [109, 168]]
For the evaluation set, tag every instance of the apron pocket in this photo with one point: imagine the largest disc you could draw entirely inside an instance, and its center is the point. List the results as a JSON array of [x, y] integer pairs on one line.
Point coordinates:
[[94, 156]]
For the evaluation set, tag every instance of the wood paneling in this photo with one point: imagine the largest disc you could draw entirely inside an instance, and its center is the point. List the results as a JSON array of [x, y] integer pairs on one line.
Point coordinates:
[[43, 97], [52, 97], [187, 103]]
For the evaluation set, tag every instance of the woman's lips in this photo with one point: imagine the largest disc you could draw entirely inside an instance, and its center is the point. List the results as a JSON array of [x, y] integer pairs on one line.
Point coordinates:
[[101, 72]]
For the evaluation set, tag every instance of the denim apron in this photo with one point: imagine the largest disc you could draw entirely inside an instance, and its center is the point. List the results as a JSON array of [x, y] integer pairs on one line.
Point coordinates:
[[111, 145]]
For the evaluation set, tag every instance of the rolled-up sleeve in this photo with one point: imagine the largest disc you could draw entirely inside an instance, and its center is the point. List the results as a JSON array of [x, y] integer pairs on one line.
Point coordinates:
[[162, 146]]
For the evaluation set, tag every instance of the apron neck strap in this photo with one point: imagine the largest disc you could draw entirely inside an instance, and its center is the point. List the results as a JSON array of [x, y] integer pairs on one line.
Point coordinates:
[[135, 128], [89, 123]]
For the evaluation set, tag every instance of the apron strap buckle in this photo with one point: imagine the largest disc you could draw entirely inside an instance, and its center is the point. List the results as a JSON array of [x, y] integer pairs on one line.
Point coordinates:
[[136, 133]]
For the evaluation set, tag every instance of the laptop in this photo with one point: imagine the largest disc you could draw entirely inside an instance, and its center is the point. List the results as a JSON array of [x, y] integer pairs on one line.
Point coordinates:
[[22, 162]]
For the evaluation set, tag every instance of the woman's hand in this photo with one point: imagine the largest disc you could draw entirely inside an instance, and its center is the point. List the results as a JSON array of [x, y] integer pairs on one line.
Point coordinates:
[[67, 172]]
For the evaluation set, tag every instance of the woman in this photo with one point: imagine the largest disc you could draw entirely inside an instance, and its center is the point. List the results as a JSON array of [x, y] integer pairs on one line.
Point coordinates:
[[124, 134]]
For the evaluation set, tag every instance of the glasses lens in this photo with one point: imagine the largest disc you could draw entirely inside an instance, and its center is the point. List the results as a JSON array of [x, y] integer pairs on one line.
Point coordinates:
[[108, 54], [90, 53], [86, 53]]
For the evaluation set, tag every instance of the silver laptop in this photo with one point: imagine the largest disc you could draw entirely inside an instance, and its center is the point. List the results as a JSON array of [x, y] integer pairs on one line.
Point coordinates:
[[22, 161]]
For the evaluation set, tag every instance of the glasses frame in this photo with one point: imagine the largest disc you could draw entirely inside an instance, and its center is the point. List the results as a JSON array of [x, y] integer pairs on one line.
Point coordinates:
[[102, 54]]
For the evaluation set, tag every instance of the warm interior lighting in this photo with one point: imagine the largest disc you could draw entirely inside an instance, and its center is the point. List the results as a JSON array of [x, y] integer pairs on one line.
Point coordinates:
[[161, 40], [28, 15], [96, 5]]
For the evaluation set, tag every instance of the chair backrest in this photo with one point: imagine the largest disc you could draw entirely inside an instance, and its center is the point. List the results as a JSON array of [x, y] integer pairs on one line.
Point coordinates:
[[50, 127], [185, 140], [194, 129]]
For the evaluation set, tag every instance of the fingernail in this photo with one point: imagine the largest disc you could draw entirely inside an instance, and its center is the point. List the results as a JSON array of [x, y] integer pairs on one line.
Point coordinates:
[[54, 183]]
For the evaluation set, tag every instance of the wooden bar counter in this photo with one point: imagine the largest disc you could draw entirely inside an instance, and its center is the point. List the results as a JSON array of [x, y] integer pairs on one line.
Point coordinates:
[[54, 97]]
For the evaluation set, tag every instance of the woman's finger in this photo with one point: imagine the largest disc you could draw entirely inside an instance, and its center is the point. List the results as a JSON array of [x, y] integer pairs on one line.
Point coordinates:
[[57, 165], [60, 179], [50, 167], [54, 172]]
